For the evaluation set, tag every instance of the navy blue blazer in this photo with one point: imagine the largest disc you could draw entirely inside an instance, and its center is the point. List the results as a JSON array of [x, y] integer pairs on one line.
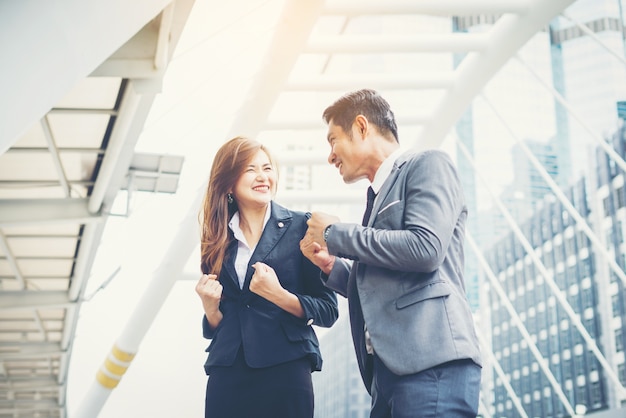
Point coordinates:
[[269, 335]]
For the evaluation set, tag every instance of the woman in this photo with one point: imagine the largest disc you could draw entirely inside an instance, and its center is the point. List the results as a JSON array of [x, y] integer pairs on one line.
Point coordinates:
[[260, 294]]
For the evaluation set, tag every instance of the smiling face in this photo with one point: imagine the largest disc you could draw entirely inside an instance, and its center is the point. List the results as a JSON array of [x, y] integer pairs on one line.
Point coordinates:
[[347, 152], [256, 186]]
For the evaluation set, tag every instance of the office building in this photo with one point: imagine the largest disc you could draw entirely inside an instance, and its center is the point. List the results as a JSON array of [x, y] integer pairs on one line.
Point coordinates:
[[588, 289]]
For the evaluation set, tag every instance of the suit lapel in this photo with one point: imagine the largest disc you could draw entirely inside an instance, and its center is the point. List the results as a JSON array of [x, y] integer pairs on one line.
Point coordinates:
[[386, 187], [229, 263], [276, 226]]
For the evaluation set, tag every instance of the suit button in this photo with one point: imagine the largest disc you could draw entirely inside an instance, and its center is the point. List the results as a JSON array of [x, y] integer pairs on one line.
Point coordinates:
[[309, 322], [247, 306]]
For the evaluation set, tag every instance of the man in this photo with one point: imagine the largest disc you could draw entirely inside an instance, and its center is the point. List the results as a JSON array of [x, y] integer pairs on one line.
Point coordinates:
[[402, 271]]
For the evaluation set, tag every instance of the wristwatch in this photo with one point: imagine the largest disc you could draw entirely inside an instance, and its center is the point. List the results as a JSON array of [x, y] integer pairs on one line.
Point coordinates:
[[326, 232]]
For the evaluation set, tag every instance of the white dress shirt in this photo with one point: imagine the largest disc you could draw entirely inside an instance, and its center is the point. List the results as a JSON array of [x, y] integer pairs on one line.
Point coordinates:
[[244, 251]]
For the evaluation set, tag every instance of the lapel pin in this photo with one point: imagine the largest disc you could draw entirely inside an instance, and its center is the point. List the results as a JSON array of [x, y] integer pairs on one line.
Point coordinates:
[[280, 224]]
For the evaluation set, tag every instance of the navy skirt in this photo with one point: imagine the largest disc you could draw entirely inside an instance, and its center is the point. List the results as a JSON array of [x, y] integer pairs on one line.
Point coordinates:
[[239, 391]]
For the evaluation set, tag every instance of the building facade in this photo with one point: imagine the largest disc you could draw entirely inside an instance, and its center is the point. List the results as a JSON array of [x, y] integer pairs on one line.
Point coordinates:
[[588, 286], [339, 390]]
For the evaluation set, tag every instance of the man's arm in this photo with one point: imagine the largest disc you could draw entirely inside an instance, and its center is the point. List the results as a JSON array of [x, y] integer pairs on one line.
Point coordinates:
[[414, 237]]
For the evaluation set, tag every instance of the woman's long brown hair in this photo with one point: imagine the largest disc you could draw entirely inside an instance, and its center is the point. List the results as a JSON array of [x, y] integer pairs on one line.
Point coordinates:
[[229, 163]]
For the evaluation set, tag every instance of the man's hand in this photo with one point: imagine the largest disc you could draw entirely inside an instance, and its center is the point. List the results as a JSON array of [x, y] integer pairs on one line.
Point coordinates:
[[317, 254], [313, 245], [317, 223]]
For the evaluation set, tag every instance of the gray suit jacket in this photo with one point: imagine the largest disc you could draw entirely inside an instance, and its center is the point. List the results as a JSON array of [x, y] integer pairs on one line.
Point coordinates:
[[406, 279]]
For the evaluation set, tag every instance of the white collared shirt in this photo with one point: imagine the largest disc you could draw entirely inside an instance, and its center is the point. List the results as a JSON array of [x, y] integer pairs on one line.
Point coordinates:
[[384, 170], [244, 251]]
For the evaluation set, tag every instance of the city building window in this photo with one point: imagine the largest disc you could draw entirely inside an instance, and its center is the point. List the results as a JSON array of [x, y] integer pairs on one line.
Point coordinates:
[[621, 372], [621, 196], [596, 394], [582, 239], [615, 305]]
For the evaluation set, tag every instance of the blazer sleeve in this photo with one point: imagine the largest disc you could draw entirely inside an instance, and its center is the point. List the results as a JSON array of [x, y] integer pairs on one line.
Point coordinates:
[[338, 277], [207, 332], [318, 301], [424, 224]]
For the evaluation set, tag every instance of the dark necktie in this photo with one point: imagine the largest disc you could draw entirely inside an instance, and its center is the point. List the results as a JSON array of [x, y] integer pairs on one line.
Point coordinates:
[[370, 202]]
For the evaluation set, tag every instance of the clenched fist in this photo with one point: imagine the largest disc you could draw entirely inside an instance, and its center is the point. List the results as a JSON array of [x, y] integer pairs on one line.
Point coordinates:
[[264, 281], [210, 290]]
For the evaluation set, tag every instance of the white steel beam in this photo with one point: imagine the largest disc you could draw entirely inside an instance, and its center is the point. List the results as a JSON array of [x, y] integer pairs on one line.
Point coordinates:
[[25, 299], [44, 150], [76, 111], [29, 351], [19, 407], [318, 124], [147, 53], [132, 115], [289, 40], [508, 34], [92, 234], [369, 44], [341, 82], [297, 125], [15, 212], [304, 157], [429, 7], [607, 147], [12, 261], [26, 383], [54, 154], [162, 53]]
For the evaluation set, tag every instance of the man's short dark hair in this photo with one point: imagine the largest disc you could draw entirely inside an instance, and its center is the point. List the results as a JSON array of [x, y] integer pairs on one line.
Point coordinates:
[[364, 102]]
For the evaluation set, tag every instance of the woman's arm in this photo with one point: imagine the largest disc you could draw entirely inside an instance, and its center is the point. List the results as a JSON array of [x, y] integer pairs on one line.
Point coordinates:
[[210, 291], [265, 284]]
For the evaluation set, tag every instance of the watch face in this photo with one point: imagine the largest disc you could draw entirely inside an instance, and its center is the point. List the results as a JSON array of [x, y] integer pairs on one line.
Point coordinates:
[[325, 235]]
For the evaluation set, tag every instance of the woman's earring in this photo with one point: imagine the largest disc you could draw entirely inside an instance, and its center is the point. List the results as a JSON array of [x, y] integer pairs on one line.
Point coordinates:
[[229, 197]]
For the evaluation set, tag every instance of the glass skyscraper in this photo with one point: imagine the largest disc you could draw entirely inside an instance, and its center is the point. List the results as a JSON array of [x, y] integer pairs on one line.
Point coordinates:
[[591, 291]]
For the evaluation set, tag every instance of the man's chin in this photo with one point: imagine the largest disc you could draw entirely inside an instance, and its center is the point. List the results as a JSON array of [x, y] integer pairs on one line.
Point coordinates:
[[348, 179]]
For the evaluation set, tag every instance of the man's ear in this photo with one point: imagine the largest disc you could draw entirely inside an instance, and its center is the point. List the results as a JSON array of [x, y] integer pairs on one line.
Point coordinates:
[[361, 125]]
